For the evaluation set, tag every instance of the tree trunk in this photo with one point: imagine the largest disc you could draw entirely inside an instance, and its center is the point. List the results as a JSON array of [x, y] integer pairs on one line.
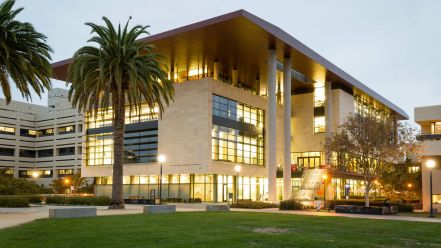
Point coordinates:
[[366, 193], [118, 152]]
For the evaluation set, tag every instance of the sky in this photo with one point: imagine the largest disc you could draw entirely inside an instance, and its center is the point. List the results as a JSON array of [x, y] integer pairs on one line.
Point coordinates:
[[392, 46]]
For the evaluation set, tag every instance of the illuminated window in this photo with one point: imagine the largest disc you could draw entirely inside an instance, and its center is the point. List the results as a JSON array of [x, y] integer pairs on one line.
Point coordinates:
[[65, 172], [105, 118], [413, 169], [7, 130], [319, 124], [319, 95], [436, 127], [236, 111], [45, 132], [232, 145], [66, 129]]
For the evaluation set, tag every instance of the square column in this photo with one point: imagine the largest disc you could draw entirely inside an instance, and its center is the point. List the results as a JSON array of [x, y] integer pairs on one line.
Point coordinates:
[[287, 187], [272, 116], [328, 117]]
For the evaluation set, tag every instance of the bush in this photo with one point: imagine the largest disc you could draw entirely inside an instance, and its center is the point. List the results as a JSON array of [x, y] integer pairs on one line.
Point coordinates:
[[290, 205], [34, 199], [14, 201], [79, 200], [402, 207], [253, 205], [19, 186]]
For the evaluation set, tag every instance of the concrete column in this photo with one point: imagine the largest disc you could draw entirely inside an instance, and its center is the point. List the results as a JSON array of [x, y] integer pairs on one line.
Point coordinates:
[[328, 117], [272, 116], [235, 77], [216, 70], [287, 188]]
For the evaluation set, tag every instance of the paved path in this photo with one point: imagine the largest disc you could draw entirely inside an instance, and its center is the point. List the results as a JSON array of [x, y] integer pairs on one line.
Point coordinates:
[[15, 216]]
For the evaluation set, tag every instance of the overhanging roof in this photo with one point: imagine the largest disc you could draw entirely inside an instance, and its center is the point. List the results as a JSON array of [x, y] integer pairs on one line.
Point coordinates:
[[241, 40]]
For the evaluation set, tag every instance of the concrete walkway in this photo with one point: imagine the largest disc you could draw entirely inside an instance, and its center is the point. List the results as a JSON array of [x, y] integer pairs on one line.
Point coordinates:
[[16, 216]]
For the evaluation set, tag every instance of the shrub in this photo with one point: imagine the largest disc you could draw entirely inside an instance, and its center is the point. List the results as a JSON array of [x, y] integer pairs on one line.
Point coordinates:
[[402, 207], [253, 205], [34, 199], [290, 205], [79, 200], [14, 201], [194, 200], [19, 186]]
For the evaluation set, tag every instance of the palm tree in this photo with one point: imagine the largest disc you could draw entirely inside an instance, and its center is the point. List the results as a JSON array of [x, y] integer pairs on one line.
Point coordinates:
[[118, 70], [24, 55]]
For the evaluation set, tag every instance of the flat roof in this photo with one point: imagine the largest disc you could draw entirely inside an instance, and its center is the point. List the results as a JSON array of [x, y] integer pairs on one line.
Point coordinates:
[[241, 40]]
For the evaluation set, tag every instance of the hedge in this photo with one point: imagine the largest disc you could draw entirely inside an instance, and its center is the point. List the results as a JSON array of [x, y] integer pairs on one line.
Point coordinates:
[[402, 207], [290, 205], [79, 200], [253, 205], [14, 201]]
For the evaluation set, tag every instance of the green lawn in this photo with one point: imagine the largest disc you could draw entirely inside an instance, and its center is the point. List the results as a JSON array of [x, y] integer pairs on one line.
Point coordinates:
[[233, 229]]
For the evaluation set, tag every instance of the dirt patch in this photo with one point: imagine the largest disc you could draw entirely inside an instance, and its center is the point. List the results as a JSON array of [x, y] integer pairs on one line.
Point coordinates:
[[270, 230]]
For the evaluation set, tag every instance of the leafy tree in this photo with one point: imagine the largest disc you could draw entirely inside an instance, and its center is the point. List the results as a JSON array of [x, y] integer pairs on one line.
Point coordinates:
[[18, 186], [59, 185], [369, 146], [24, 55], [400, 184], [115, 72]]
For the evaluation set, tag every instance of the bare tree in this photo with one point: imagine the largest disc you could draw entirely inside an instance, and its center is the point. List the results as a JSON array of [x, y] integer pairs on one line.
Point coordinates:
[[369, 145]]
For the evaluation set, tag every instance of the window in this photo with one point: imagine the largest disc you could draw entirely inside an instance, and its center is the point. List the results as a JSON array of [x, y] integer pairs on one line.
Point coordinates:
[[368, 106], [236, 146], [413, 169], [45, 132], [6, 151], [29, 173], [63, 172], [104, 118], [27, 153], [236, 111], [139, 147], [7, 130], [319, 124], [45, 153], [319, 95], [436, 127], [66, 151], [66, 129], [28, 132]]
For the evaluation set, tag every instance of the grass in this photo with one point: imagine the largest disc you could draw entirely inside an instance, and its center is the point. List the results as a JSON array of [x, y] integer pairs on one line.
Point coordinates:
[[233, 229]]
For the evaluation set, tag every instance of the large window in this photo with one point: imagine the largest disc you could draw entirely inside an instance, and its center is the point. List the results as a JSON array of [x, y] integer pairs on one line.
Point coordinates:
[[45, 132], [436, 127], [368, 106], [233, 110], [232, 145], [66, 129], [104, 118], [139, 147], [6, 151], [27, 153], [29, 173], [28, 132], [302, 160], [319, 108]]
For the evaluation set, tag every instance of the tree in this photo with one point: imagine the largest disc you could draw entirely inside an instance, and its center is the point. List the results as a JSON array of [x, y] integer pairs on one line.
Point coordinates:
[[370, 145], [118, 71], [59, 186], [24, 55]]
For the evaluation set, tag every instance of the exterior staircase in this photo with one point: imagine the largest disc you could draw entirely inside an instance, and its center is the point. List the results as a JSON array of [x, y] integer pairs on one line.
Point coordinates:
[[312, 180]]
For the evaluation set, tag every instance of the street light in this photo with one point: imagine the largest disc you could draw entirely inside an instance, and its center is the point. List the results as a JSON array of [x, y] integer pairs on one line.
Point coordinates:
[[324, 190], [409, 185], [34, 174], [161, 159], [431, 164], [237, 169]]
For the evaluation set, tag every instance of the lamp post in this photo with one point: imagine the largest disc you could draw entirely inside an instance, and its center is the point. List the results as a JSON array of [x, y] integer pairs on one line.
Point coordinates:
[[431, 164], [34, 174], [375, 184], [237, 169], [66, 182], [324, 190], [161, 159]]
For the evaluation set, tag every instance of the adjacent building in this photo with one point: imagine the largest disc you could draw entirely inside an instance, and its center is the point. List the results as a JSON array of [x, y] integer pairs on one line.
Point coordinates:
[[246, 93], [40, 142], [429, 118]]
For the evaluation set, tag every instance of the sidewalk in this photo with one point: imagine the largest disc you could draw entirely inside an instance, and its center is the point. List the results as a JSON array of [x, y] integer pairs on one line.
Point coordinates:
[[16, 216]]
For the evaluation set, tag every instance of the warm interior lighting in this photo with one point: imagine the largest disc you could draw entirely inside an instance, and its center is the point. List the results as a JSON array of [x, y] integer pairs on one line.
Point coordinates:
[[34, 174], [161, 158], [325, 176], [237, 168], [430, 163]]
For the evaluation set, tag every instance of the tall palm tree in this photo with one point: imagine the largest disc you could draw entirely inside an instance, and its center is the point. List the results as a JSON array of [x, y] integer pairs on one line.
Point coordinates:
[[24, 55], [118, 70]]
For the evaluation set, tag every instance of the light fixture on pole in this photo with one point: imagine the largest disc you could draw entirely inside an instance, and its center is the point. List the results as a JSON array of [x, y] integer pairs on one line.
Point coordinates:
[[161, 159], [431, 164], [34, 174], [237, 169]]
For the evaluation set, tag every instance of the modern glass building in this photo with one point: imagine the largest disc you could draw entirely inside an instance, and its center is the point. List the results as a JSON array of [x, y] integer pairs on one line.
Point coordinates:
[[246, 93]]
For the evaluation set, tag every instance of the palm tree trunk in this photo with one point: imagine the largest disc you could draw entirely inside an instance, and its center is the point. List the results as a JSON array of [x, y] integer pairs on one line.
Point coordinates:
[[118, 152]]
